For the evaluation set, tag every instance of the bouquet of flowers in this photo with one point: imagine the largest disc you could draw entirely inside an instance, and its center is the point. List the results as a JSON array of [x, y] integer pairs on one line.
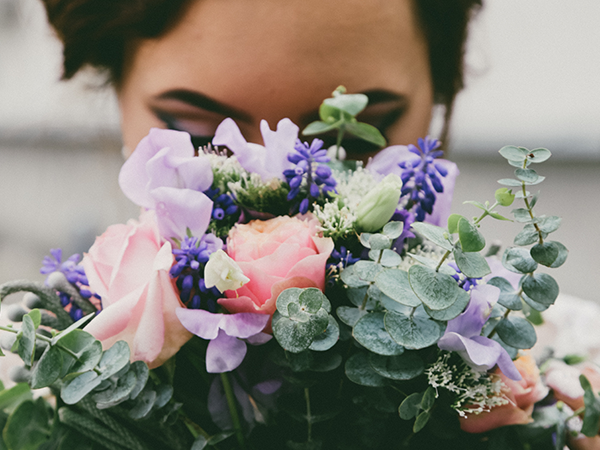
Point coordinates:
[[279, 296]]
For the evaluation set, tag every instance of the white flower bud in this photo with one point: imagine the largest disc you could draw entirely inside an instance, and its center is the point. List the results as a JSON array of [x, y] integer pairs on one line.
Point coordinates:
[[223, 272], [378, 206]]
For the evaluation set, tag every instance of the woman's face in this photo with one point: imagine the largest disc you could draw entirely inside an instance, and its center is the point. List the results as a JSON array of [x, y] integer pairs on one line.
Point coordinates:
[[270, 59]]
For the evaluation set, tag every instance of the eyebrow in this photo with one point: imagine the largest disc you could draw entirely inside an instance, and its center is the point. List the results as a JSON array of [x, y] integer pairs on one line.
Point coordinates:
[[202, 101]]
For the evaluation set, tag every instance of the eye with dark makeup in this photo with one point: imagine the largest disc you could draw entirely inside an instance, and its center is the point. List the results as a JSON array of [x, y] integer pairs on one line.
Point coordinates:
[[172, 123]]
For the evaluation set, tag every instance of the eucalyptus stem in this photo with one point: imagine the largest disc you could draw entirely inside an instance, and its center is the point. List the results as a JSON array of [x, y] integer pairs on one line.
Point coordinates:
[[442, 260], [485, 213], [235, 418], [308, 413], [529, 208]]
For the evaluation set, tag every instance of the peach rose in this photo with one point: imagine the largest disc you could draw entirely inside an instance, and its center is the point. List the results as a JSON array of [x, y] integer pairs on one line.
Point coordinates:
[[521, 395], [275, 254], [129, 268]]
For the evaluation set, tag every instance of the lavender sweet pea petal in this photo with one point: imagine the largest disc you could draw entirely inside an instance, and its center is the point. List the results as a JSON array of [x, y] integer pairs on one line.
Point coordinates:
[[133, 177], [244, 325], [224, 353], [480, 354], [259, 339], [229, 135], [195, 173], [199, 322], [179, 209], [278, 144], [387, 160], [471, 321], [503, 360]]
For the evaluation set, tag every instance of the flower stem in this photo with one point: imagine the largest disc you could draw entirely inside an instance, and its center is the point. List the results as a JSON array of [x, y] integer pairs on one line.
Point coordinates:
[[235, 418], [442, 260], [308, 413]]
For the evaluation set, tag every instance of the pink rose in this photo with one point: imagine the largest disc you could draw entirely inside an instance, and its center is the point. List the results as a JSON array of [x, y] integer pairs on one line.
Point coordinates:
[[521, 395], [275, 254], [129, 268]]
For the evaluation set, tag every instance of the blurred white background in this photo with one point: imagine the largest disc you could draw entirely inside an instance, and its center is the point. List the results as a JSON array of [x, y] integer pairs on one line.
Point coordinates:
[[532, 81]]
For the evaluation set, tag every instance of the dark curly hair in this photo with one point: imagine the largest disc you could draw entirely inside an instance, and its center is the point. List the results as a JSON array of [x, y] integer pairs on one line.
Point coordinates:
[[96, 32]]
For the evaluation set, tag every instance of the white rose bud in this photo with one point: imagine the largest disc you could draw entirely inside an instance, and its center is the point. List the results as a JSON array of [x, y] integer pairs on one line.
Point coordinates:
[[223, 272], [378, 206]]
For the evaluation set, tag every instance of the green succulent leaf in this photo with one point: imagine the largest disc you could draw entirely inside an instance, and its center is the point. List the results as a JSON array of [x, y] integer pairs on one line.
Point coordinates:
[[513, 153], [472, 264], [414, 332], [366, 270], [539, 155], [528, 235], [359, 371], [394, 283], [516, 332], [435, 234], [451, 312], [76, 388], [393, 230], [541, 288], [48, 368], [504, 196], [508, 296], [453, 222], [421, 421], [518, 260], [410, 406], [328, 338]]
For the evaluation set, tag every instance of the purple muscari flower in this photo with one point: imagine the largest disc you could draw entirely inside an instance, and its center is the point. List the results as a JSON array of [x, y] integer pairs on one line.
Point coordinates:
[[226, 332], [437, 178], [189, 271], [407, 218], [223, 205], [464, 282], [340, 259], [308, 167], [463, 335]]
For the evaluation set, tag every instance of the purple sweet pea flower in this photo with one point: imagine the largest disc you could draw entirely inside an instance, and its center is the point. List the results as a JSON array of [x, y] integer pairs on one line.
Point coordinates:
[[270, 160], [163, 174], [463, 335], [226, 350], [386, 162]]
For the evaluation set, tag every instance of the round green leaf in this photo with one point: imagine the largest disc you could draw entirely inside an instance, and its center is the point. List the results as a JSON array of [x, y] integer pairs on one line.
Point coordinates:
[[359, 371], [541, 288], [394, 283], [114, 359], [370, 332], [453, 222], [328, 338], [350, 103], [453, 311], [144, 404], [351, 279], [516, 332], [28, 427], [508, 297], [48, 368], [366, 132], [386, 257], [379, 242], [26, 340], [546, 253], [528, 235], [311, 300], [435, 289], [471, 240], [290, 295], [141, 373], [412, 332], [399, 367], [513, 153], [529, 176], [319, 127], [535, 307], [366, 270], [421, 421], [539, 155], [518, 260], [549, 224], [435, 234], [562, 255], [504, 196], [118, 392], [393, 230], [350, 315], [410, 406], [472, 264]]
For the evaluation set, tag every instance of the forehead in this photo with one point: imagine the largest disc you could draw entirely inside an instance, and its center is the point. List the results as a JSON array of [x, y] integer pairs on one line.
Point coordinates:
[[289, 54]]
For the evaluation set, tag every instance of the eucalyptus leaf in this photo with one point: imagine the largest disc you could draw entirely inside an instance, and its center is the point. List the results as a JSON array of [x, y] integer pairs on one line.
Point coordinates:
[[328, 338], [319, 127], [11, 398], [386, 257], [393, 230], [428, 262], [453, 222], [36, 317], [545, 254], [535, 306], [379, 242], [528, 235], [325, 362], [87, 349], [358, 295], [48, 368], [527, 175], [370, 332], [81, 322], [118, 392], [541, 288], [428, 399], [394, 283], [359, 371], [296, 337], [563, 253], [349, 103], [410, 406], [141, 371], [516, 332], [114, 359], [591, 418], [366, 132], [28, 427], [436, 290], [522, 215], [144, 404], [351, 279], [471, 240], [311, 300], [549, 224], [421, 421], [27, 337], [513, 153], [401, 367], [350, 315], [290, 295], [200, 442], [453, 311], [539, 155], [504, 196], [472, 265], [414, 332], [435, 234], [366, 270], [522, 195], [511, 182], [518, 260], [508, 296], [76, 388]]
